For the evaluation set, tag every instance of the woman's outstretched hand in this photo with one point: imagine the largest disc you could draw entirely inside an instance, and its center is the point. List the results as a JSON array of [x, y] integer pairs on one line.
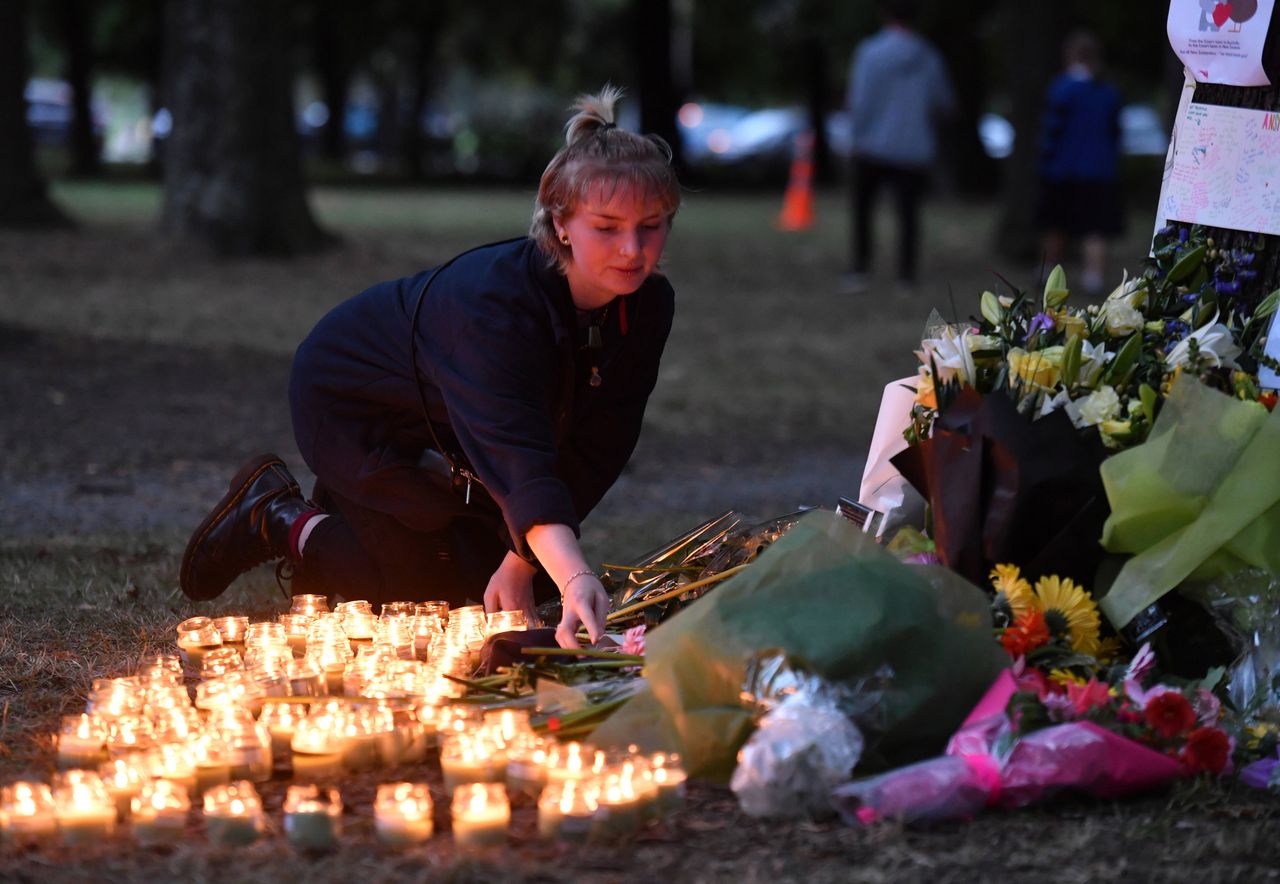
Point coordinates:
[[511, 588], [585, 602]]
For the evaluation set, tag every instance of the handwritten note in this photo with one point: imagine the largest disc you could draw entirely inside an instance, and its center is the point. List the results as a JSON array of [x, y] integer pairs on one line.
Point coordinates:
[[1225, 170]]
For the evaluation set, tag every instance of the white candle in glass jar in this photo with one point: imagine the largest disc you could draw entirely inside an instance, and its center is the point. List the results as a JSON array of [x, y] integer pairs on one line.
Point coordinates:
[[82, 742], [481, 815], [160, 813], [29, 812], [312, 817], [85, 812], [233, 814], [402, 813]]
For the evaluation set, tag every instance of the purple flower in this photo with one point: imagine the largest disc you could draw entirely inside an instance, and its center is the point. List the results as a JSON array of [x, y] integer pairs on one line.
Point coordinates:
[[1167, 230], [922, 558], [1039, 322], [1246, 275], [1183, 233], [1143, 662], [1241, 257], [1227, 287]]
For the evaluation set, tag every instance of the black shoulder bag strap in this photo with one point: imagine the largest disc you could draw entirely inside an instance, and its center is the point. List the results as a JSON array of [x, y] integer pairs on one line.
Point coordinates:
[[461, 476]]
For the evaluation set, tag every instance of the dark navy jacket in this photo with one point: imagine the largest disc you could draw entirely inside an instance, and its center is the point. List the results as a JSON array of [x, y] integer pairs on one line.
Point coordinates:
[[504, 371]]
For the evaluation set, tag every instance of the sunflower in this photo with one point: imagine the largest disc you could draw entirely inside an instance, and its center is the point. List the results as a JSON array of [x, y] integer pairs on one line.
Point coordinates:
[[1069, 613], [1012, 591]]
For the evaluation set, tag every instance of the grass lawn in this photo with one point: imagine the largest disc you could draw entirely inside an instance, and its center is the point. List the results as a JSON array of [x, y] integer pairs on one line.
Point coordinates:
[[137, 375]]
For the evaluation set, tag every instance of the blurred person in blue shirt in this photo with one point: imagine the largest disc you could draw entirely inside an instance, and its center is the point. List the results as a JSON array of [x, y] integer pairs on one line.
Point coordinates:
[[1080, 194], [898, 91]]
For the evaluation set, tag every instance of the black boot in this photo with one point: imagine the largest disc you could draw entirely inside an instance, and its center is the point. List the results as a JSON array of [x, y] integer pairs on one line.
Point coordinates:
[[249, 526]]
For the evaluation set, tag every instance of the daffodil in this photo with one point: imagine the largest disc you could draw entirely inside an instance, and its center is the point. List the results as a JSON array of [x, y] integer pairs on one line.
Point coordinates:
[[1069, 612]]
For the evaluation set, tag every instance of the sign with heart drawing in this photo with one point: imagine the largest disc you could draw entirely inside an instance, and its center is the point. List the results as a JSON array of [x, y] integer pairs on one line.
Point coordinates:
[[1231, 42]]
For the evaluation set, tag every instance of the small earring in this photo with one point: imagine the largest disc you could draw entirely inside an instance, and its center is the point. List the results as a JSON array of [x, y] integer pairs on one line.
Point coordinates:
[[564, 239]]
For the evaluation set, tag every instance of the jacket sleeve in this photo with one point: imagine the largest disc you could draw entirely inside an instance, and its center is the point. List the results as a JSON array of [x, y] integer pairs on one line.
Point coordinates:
[[606, 430], [497, 372]]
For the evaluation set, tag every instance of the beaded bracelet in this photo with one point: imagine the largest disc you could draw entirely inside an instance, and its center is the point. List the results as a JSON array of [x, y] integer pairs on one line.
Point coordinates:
[[574, 577]]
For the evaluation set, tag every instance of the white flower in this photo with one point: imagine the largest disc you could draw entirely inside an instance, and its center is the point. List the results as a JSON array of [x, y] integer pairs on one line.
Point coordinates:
[[1215, 343], [1101, 405], [1093, 359], [1122, 318], [982, 342], [1130, 291], [950, 353]]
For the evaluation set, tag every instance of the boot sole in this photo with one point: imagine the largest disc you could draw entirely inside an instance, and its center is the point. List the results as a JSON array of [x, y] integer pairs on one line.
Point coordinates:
[[239, 486]]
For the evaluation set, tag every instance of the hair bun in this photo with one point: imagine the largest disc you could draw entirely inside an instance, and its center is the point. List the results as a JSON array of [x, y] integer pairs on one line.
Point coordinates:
[[594, 113]]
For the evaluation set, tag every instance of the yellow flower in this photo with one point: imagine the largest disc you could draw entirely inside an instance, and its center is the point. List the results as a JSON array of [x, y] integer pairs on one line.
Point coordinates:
[[1108, 650], [926, 395], [1065, 677], [1009, 583], [1069, 611], [1070, 323], [1040, 368]]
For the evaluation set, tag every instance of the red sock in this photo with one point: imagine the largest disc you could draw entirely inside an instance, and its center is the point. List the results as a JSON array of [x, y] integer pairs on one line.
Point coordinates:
[[295, 532]]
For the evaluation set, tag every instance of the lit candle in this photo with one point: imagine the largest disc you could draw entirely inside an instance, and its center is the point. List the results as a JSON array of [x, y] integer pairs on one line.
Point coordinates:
[[466, 758], [213, 768], [85, 812], [233, 813], [280, 719], [295, 632], [506, 621], [82, 742], [123, 781], [171, 762], [566, 762], [669, 776], [220, 661], [197, 636], [566, 811], [310, 605], [29, 812], [617, 811], [481, 814], [317, 747], [233, 630], [305, 678], [402, 813], [312, 817], [526, 765], [160, 813]]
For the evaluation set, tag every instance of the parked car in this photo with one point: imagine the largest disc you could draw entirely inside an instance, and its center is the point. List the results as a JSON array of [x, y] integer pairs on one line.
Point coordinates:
[[1142, 133], [50, 111]]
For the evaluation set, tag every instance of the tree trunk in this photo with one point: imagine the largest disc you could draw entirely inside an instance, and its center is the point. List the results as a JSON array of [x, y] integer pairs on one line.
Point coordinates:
[[1032, 35], [971, 171], [75, 23], [335, 75], [232, 172], [659, 101], [817, 91], [23, 200]]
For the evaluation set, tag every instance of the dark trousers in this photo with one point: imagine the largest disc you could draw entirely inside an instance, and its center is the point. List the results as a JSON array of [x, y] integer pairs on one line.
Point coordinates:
[[359, 553], [907, 185]]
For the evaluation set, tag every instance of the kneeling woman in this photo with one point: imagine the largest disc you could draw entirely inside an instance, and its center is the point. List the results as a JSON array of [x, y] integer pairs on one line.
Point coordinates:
[[462, 421]]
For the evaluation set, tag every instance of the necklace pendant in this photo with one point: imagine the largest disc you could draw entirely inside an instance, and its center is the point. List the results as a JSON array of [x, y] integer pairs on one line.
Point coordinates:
[[595, 380]]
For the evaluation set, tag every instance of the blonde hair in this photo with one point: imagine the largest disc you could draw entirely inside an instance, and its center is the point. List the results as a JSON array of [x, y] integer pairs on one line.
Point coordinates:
[[599, 154]]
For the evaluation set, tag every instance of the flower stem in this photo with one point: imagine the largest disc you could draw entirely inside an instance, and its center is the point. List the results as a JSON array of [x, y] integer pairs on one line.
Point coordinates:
[[623, 613], [580, 652]]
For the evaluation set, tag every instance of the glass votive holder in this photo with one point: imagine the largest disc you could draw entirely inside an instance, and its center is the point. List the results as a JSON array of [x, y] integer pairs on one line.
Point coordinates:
[[82, 742], [618, 813], [123, 780], [360, 751], [280, 720], [439, 608], [233, 814], [110, 697], [469, 758], [481, 815], [161, 667], [569, 761], [457, 719], [86, 813], [508, 723], [127, 734], [160, 813], [398, 609], [566, 811], [669, 776], [173, 762], [317, 745], [233, 630], [359, 626], [220, 661], [29, 812], [310, 605], [312, 817], [526, 765], [305, 679], [196, 637], [506, 621], [402, 813], [210, 758]]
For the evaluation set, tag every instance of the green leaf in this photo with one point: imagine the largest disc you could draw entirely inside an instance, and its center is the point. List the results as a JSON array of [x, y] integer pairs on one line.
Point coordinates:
[[1055, 288], [1187, 264], [1119, 368], [1071, 360], [1148, 397], [992, 312]]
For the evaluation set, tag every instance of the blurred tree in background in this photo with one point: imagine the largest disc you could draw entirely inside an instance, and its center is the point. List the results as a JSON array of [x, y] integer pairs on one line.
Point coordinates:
[[232, 165], [23, 198]]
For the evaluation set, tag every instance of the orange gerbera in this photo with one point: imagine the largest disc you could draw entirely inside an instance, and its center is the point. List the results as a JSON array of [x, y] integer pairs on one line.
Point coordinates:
[[1026, 634]]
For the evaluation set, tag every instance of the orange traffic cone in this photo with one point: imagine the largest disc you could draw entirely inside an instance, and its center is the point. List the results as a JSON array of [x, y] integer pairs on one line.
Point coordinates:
[[797, 202]]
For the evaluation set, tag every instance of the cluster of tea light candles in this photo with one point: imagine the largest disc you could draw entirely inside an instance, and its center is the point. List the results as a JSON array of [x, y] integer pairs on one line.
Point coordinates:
[[325, 692]]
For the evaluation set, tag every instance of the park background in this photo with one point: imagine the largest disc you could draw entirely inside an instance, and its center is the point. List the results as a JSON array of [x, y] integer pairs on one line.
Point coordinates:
[[146, 326]]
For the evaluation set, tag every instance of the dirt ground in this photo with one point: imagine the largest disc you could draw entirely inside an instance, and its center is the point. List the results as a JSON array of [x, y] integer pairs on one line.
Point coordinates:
[[134, 378]]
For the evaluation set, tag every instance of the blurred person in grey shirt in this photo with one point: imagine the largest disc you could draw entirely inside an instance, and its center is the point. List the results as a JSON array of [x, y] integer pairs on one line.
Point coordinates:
[[898, 91]]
